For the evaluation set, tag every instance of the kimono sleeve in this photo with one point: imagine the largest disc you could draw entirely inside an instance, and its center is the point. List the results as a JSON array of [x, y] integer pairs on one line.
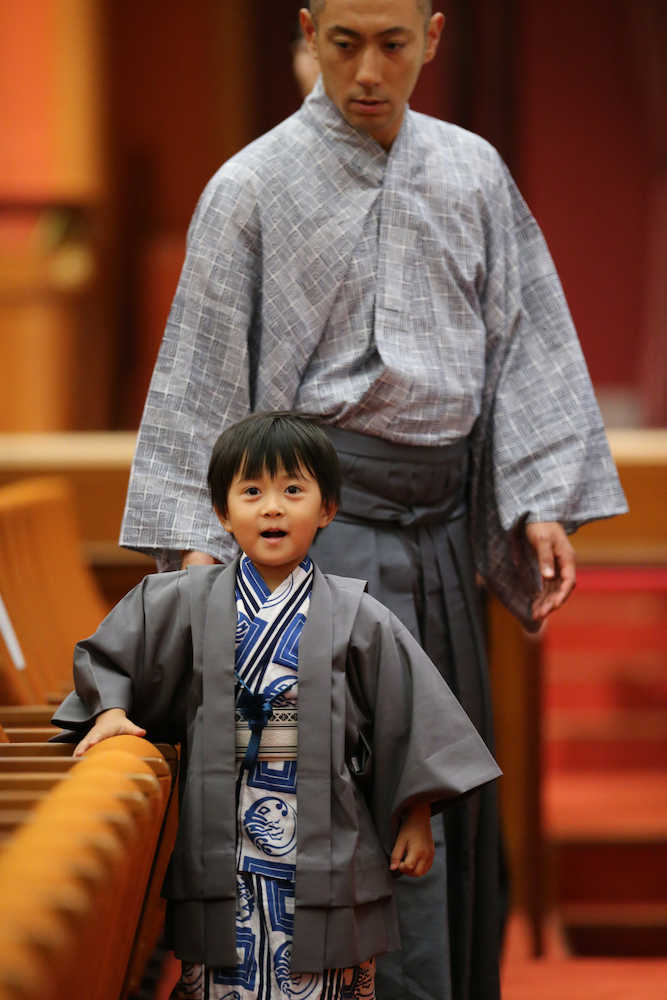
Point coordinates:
[[139, 659], [424, 747], [203, 377], [540, 452]]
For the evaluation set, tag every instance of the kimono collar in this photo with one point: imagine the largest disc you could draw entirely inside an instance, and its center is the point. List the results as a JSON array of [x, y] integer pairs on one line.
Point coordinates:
[[360, 153]]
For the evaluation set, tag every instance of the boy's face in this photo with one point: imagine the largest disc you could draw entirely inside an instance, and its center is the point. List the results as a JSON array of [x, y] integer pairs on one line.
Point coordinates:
[[274, 519]]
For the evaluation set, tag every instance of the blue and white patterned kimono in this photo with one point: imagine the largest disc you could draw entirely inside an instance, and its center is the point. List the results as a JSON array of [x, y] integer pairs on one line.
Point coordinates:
[[269, 626]]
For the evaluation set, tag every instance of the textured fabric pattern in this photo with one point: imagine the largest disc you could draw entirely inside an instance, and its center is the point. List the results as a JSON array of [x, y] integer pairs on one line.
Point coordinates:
[[407, 295]]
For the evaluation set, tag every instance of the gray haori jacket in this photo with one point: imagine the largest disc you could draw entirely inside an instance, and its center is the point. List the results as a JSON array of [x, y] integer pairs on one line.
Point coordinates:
[[378, 729]]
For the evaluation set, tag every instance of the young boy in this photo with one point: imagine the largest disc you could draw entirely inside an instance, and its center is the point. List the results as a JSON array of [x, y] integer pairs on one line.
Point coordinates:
[[316, 735]]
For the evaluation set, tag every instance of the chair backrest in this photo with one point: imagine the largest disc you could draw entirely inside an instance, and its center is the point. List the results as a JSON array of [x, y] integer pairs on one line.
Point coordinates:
[[50, 595], [16, 686], [73, 880]]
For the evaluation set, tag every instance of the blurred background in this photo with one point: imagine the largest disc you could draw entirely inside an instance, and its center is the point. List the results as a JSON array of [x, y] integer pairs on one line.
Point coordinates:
[[115, 114]]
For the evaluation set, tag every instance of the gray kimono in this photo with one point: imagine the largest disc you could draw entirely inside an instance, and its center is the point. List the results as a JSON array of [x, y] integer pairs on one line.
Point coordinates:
[[409, 296], [367, 694]]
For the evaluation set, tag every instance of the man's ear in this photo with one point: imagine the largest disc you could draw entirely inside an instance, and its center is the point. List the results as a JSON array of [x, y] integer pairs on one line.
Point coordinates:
[[328, 512], [308, 29], [433, 34]]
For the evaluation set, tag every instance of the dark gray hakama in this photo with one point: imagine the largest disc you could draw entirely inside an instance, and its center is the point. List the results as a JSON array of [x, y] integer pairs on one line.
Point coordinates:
[[403, 527]]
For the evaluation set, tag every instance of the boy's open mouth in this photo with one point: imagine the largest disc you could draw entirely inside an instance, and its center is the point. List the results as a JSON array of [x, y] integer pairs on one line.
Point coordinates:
[[273, 533]]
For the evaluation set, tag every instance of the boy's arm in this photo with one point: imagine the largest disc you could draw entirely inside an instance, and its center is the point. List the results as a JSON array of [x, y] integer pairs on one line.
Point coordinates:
[[413, 848], [138, 661], [424, 747], [113, 722]]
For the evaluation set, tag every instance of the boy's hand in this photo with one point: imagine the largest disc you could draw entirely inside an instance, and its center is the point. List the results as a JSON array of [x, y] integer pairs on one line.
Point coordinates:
[[113, 722], [414, 850]]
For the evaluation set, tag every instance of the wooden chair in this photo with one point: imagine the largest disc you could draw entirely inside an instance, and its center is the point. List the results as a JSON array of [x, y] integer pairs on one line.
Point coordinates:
[[32, 769], [49, 594], [43, 884], [73, 879], [41, 749], [16, 685], [151, 921]]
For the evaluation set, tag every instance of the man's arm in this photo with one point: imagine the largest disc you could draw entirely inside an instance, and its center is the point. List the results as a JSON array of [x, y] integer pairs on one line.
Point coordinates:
[[556, 560], [540, 450], [201, 381]]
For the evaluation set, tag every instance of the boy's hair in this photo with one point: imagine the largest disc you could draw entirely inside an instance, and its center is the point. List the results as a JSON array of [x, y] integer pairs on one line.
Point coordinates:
[[269, 441]]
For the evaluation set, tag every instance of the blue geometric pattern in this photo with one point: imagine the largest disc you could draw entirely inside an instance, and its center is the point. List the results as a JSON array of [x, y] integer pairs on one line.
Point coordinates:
[[252, 635], [242, 626], [257, 580], [275, 776], [245, 971], [245, 901], [279, 686], [280, 898], [270, 869], [287, 650], [265, 951]]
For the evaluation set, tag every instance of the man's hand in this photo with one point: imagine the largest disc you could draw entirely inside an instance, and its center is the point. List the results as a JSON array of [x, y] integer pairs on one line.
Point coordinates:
[[555, 557], [113, 722], [194, 558], [414, 850]]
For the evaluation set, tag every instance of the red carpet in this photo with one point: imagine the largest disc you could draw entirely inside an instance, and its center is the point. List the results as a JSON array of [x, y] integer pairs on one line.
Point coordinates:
[[605, 754], [586, 979]]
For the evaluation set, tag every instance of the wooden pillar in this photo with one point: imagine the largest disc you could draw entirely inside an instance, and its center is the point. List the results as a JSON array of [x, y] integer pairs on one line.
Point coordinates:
[[515, 666]]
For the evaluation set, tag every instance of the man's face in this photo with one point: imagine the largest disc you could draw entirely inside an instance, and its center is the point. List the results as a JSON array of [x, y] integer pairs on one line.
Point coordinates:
[[370, 54]]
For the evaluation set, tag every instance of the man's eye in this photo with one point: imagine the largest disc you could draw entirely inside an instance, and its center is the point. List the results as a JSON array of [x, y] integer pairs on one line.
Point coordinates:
[[394, 46]]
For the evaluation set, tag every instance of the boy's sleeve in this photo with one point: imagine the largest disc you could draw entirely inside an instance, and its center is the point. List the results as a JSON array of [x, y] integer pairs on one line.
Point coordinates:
[[424, 746], [138, 659]]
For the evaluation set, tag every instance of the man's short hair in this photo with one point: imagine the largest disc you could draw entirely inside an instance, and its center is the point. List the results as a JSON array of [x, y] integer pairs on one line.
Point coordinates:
[[269, 441], [317, 6]]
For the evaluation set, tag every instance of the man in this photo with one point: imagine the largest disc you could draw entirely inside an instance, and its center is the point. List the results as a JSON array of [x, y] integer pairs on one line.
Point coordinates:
[[378, 268]]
